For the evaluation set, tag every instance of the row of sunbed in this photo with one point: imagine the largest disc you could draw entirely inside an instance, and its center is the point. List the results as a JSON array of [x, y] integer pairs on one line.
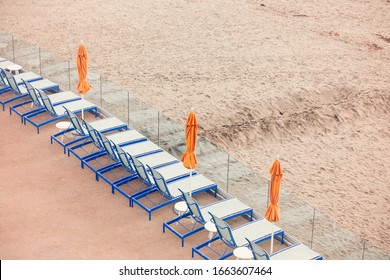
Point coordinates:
[[137, 168]]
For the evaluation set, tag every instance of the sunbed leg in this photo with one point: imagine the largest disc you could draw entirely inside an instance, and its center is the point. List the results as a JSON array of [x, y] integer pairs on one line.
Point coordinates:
[[150, 216]]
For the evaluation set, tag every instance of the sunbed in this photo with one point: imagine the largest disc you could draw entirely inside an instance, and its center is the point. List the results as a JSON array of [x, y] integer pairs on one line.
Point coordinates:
[[156, 159], [57, 112], [19, 91], [226, 209], [35, 105], [169, 191], [258, 231], [296, 251], [79, 131]]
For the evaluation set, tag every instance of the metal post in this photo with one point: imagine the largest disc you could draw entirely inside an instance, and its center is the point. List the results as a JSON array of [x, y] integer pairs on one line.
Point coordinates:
[[364, 248], [101, 97], [158, 128], [227, 175], [13, 49], [69, 73], [312, 229], [128, 109], [40, 62]]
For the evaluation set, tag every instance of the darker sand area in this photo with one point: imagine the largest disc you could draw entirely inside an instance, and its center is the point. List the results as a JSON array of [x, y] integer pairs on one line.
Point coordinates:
[[308, 80]]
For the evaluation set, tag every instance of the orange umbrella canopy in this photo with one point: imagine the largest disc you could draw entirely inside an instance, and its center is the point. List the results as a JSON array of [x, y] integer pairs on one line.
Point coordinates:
[[273, 212], [82, 67], [189, 157]]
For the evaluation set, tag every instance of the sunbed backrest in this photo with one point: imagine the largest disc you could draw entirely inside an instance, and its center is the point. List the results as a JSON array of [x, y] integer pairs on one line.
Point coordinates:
[[93, 134], [124, 159], [258, 252], [193, 206], [108, 146], [11, 82], [160, 182], [3, 79], [75, 122], [32, 92], [47, 103], [224, 231], [141, 170]]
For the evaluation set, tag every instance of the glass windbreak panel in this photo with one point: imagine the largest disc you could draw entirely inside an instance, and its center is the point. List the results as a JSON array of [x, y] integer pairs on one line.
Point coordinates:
[[247, 185], [6, 46], [212, 162], [372, 252], [143, 118], [113, 98], [73, 76], [54, 68], [296, 217], [335, 242], [26, 55], [171, 136], [93, 95]]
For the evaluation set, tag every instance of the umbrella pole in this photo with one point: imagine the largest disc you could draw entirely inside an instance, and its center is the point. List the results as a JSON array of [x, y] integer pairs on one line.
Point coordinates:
[[272, 239], [191, 182], [82, 109]]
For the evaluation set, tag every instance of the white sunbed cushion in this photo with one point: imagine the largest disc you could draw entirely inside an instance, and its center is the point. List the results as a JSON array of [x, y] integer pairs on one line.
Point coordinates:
[[106, 123], [2, 59], [197, 182], [253, 231], [141, 148], [63, 96], [27, 76], [125, 136], [295, 252], [73, 106], [223, 208], [172, 171], [157, 159], [40, 84]]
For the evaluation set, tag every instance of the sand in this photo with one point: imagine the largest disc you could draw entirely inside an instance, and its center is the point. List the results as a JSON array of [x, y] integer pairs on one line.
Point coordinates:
[[306, 80]]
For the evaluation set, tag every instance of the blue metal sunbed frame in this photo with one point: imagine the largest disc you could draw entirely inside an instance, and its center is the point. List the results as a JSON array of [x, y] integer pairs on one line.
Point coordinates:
[[162, 187], [34, 102], [51, 111], [225, 234], [106, 148], [197, 218], [14, 87], [80, 135], [4, 83], [136, 170]]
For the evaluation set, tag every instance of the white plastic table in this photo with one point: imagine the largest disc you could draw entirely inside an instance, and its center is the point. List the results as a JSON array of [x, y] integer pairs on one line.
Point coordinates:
[[14, 68], [63, 126], [210, 227], [243, 253], [180, 208]]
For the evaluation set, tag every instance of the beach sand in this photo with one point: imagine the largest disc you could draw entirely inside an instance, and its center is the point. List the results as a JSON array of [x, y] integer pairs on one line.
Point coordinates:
[[305, 80]]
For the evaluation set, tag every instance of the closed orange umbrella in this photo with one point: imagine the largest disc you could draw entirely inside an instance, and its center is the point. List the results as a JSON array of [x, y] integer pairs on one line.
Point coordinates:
[[189, 157], [273, 212], [82, 67]]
